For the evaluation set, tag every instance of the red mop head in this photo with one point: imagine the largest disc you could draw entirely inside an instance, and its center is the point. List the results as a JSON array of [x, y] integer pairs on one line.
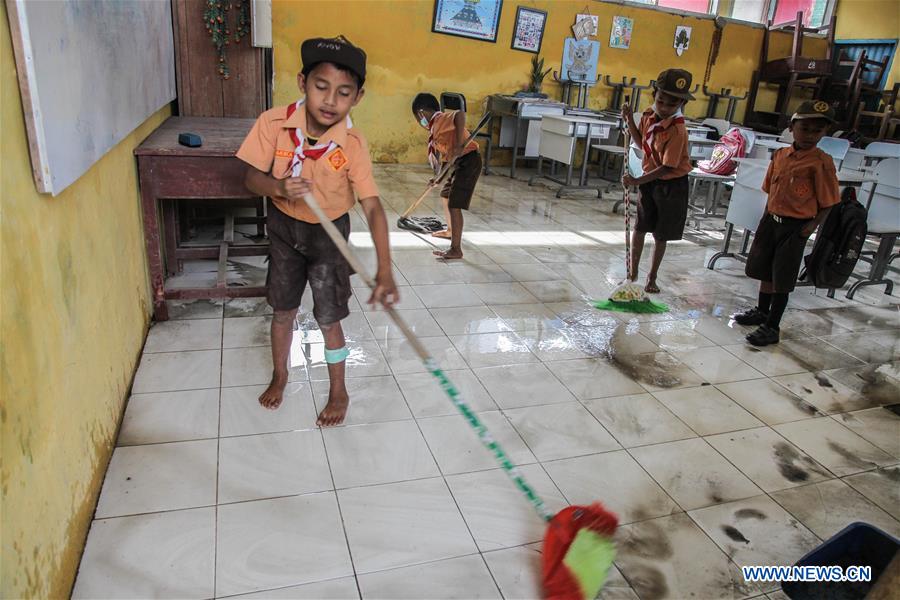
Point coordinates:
[[578, 552]]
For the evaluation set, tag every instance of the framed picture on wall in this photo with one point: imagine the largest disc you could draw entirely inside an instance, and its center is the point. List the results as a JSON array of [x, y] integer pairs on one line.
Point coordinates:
[[529, 31], [476, 19]]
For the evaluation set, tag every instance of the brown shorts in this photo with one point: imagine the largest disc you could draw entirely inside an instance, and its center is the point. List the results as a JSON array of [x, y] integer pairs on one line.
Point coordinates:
[[777, 252], [301, 252], [461, 184], [662, 209]]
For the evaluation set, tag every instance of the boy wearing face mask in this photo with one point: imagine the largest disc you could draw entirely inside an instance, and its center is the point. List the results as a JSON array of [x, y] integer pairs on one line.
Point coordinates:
[[662, 136], [447, 134]]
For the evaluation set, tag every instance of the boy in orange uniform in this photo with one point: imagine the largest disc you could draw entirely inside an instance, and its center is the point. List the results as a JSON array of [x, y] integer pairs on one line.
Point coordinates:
[[802, 185], [311, 146], [447, 133], [664, 186]]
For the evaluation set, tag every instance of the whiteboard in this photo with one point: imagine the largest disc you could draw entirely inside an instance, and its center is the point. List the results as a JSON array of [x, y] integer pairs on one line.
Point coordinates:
[[90, 72]]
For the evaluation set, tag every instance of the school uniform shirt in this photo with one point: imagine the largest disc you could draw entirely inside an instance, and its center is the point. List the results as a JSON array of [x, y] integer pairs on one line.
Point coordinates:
[[443, 133], [335, 177], [665, 143], [800, 183]]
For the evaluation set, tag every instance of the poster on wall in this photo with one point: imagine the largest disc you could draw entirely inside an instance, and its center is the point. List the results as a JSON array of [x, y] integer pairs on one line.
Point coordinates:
[[476, 19], [682, 39], [580, 60], [620, 34], [529, 31], [589, 23]]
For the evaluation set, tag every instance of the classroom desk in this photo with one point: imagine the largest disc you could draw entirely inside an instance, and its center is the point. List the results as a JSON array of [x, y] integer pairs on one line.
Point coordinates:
[[511, 112], [765, 148], [169, 171], [559, 137], [845, 178]]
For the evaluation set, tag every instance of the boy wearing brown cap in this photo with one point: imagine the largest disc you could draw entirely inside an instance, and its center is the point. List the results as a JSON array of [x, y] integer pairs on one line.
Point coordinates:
[[663, 138], [802, 186], [311, 146]]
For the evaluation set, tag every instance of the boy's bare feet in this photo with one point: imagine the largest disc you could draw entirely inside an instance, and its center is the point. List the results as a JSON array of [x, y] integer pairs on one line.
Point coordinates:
[[450, 254], [444, 235], [274, 394], [336, 409], [651, 287]]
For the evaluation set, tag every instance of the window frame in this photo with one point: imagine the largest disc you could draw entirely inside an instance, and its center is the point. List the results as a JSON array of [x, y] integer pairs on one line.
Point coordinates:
[[768, 11]]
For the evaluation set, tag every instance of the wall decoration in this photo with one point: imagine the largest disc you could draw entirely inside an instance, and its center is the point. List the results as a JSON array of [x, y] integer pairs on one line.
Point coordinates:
[[476, 19], [620, 34], [580, 60], [529, 31], [682, 39], [593, 22]]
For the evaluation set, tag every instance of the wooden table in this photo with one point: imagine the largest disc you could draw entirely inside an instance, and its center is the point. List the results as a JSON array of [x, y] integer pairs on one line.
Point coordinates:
[[169, 171]]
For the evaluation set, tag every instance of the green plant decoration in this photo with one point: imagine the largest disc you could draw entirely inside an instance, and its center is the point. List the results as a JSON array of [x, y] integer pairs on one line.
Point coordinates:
[[537, 74], [215, 17]]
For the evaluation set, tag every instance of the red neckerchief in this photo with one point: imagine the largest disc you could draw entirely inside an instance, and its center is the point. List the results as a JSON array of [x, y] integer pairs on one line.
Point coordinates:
[[313, 152], [647, 141]]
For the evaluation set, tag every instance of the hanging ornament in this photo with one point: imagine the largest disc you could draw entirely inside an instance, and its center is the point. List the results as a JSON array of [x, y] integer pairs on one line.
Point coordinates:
[[221, 31]]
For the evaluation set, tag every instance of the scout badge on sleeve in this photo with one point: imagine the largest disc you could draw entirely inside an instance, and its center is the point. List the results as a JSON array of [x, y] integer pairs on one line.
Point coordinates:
[[578, 544]]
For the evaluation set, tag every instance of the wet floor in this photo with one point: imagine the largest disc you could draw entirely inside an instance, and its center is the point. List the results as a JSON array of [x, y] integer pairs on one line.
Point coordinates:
[[713, 454]]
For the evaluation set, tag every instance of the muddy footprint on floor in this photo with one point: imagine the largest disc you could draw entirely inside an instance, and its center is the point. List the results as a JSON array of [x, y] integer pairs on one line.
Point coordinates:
[[648, 541], [648, 582], [786, 457]]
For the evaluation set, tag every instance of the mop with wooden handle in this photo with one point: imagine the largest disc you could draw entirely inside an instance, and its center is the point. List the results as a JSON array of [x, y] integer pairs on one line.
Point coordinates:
[[578, 547], [629, 297]]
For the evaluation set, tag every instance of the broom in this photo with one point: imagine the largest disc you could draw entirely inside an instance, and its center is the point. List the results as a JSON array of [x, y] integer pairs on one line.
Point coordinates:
[[629, 296], [578, 546], [427, 225]]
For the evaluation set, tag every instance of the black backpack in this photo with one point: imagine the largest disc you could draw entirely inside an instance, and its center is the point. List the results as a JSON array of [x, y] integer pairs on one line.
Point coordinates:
[[838, 244]]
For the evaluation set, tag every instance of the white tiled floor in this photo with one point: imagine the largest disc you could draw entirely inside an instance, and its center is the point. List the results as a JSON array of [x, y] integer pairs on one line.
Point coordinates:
[[713, 454]]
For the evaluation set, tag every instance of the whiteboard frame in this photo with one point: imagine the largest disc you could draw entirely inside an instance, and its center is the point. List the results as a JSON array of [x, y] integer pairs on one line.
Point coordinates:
[[37, 141]]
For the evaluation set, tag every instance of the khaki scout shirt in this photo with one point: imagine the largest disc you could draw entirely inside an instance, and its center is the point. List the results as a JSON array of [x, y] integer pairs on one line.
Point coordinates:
[[669, 146], [800, 183], [335, 176]]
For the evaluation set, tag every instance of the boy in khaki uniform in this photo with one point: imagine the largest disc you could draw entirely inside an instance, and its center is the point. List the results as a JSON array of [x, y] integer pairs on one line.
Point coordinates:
[[664, 185], [311, 146], [446, 134], [802, 185]]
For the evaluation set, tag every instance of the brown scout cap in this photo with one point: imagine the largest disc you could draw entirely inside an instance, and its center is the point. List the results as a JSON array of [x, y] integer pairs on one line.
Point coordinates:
[[675, 82]]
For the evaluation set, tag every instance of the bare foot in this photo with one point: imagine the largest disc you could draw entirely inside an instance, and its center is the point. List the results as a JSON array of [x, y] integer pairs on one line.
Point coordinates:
[[274, 394], [450, 254], [444, 235], [336, 409], [651, 287]]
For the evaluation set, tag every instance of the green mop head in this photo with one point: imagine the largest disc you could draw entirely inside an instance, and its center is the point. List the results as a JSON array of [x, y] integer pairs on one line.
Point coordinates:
[[630, 297]]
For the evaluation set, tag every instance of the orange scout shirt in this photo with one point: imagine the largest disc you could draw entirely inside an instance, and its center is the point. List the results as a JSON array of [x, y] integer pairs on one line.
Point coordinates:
[[800, 183], [669, 146], [335, 176], [443, 131]]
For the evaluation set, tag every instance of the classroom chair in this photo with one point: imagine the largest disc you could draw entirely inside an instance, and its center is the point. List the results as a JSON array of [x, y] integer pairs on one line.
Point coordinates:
[[836, 148], [883, 222], [720, 125]]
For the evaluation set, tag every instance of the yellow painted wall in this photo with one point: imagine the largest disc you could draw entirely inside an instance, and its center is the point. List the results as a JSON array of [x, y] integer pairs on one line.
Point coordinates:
[[405, 57], [870, 20], [75, 308]]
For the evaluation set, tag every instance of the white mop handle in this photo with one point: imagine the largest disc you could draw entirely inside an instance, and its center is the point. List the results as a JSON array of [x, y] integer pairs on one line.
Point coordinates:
[[357, 266]]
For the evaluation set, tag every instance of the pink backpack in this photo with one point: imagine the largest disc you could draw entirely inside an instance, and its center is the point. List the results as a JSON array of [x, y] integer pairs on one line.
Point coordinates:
[[731, 145]]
